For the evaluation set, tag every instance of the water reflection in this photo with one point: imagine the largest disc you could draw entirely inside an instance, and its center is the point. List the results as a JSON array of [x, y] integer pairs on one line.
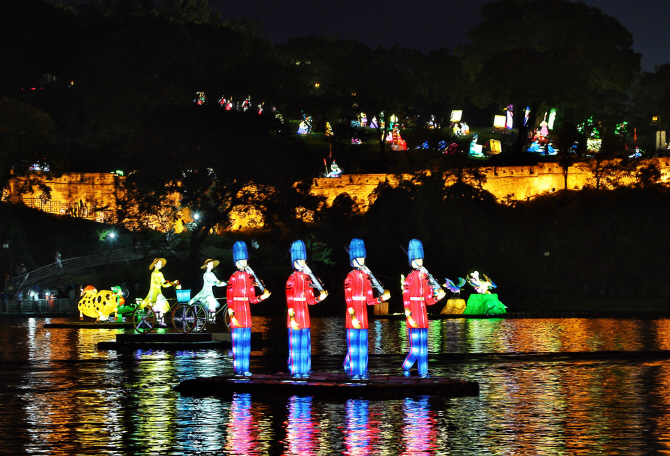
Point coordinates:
[[300, 427], [154, 427], [419, 432], [242, 428], [60, 391], [359, 435]]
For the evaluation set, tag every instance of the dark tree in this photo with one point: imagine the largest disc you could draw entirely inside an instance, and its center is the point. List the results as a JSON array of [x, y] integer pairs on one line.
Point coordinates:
[[352, 78], [652, 101], [27, 138], [439, 85], [554, 53], [219, 163]]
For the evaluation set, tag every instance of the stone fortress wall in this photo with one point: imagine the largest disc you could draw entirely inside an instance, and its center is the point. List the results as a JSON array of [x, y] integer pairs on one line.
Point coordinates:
[[519, 182], [86, 195], [94, 195]]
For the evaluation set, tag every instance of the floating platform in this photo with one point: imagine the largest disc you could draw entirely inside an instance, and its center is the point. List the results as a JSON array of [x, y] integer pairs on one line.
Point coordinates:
[[329, 385], [91, 324], [173, 340]]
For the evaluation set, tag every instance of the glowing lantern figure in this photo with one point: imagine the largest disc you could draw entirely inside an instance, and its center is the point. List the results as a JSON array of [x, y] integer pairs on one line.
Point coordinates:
[[544, 130], [526, 116], [455, 305], [509, 117], [398, 142], [305, 127], [358, 295], [484, 302], [118, 292], [122, 308], [499, 122], [420, 289], [200, 98], [552, 118], [240, 294], [393, 121], [209, 280], [155, 298], [299, 294], [97, 304], [335, 170]]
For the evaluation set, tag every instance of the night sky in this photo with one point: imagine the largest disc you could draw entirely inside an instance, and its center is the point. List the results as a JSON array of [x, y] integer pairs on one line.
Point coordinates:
[[430, 24]]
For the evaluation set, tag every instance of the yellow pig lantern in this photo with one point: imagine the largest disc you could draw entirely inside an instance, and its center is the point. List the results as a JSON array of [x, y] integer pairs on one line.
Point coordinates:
[[97, 304]]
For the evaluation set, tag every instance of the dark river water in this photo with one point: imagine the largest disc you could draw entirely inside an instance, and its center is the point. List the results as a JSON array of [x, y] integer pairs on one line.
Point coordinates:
[[573, 386]]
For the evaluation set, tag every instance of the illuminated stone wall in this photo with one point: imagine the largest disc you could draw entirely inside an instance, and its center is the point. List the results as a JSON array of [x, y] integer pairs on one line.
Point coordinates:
[[517, 182], [93, 195], [87, 195]]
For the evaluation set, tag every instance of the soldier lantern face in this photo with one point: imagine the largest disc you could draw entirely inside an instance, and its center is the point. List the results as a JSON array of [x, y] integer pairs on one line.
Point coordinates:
[[359, 262], [299, 264], [241, 264], [417, 263]]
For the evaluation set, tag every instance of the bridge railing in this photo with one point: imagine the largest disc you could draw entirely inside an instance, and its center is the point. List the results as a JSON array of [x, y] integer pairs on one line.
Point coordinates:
[[59, 306], [70, 266]]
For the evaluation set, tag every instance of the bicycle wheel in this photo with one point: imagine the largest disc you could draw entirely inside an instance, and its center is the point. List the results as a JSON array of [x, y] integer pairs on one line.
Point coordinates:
[[200, 312], [144, 319], [183, 318]]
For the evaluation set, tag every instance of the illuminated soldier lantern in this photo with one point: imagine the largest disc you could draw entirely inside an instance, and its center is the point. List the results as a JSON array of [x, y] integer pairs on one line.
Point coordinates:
[[419, 290], [299, 294], [240, 293], [209, 280], [358, 295]]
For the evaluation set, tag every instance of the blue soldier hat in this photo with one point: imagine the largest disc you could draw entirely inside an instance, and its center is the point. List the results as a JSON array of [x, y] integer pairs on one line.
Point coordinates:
[[240, 251], [356, 250], [415, 250], [298, 251]]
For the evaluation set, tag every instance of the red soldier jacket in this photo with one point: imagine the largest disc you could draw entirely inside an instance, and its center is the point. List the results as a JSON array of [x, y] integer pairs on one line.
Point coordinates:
[[239, 294], [358, 294], [416, 295], [299, 294]]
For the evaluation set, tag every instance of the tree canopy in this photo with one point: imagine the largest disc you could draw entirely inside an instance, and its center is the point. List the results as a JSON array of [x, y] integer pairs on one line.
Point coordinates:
[[218, 163], [27, 138], [554, 53]]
